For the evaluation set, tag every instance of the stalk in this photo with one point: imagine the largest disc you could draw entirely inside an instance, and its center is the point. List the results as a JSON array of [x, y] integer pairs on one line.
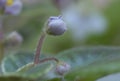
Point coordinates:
[[49, 59], [39, 47]]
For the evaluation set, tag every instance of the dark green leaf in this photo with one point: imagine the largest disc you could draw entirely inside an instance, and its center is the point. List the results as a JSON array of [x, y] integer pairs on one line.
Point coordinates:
[[13, 78]]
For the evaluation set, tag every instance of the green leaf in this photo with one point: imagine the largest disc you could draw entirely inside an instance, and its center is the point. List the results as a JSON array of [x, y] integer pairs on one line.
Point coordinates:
[[93, 71], [14, 78], [14, 61], [90, 63], [55, 79], [87, 64], [21, 64]]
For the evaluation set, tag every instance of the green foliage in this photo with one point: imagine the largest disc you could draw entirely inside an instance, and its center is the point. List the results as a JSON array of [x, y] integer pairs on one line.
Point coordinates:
[[13, 78], [87, 64], [21, 64]]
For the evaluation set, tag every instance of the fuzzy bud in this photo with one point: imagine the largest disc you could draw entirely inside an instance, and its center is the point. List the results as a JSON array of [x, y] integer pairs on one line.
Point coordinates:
[[13, 7], [62, 68], [56, 26], [13, 39]]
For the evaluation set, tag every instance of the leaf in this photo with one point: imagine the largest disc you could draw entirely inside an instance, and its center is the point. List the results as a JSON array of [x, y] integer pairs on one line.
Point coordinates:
[[87, 64], [55, 79], [86, 55], [38, 71], [12, 62], [13, 78], [93, 72], [111, 77], [21, 64], [96, 62], [25, 67], [90, 63]]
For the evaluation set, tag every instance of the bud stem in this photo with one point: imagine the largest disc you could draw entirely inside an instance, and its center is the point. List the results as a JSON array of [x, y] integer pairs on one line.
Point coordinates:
[[49, 59], [39, 47], [38, 50]]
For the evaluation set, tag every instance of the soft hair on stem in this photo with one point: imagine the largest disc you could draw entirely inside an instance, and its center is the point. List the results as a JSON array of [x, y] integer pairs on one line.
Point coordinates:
[[49, 59], [51, 28], [38, 50]]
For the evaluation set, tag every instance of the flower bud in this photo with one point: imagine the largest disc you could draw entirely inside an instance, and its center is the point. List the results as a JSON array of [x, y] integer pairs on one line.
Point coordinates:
[[14, 39], [13, 7], [62, 68], [56, 26]]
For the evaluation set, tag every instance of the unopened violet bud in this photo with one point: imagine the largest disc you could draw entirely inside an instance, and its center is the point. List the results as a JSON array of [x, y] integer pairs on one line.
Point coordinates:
[[62, 68], [13, 39], [56, 26], [13, 7]]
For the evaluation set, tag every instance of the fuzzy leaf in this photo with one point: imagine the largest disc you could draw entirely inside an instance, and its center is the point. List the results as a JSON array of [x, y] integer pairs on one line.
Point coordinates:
[[91, 63], [21, 65]]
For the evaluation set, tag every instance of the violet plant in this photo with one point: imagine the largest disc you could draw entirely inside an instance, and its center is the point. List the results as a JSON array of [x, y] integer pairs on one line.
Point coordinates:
[[84, 63], [53, 26]]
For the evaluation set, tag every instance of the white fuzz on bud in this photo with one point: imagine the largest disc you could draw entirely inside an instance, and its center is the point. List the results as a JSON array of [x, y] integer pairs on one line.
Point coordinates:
[[62, 68], [13, 7], [56, 26], [13, 39]]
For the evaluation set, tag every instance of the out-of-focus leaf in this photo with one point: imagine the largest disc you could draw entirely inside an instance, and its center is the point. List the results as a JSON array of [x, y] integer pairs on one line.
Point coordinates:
[[55, 79], [111, 77], [13, 78], [12, 63]]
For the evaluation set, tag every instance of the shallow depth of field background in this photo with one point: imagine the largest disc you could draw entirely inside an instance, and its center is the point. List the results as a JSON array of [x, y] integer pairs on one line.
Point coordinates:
[[95, 22]]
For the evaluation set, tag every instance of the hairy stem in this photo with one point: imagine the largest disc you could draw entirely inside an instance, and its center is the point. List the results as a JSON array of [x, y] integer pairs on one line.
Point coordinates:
[[49, 59], [39, 46], [37, 59]]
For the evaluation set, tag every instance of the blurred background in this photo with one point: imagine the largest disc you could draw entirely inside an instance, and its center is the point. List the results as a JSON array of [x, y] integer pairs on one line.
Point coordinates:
[[90, 23]]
